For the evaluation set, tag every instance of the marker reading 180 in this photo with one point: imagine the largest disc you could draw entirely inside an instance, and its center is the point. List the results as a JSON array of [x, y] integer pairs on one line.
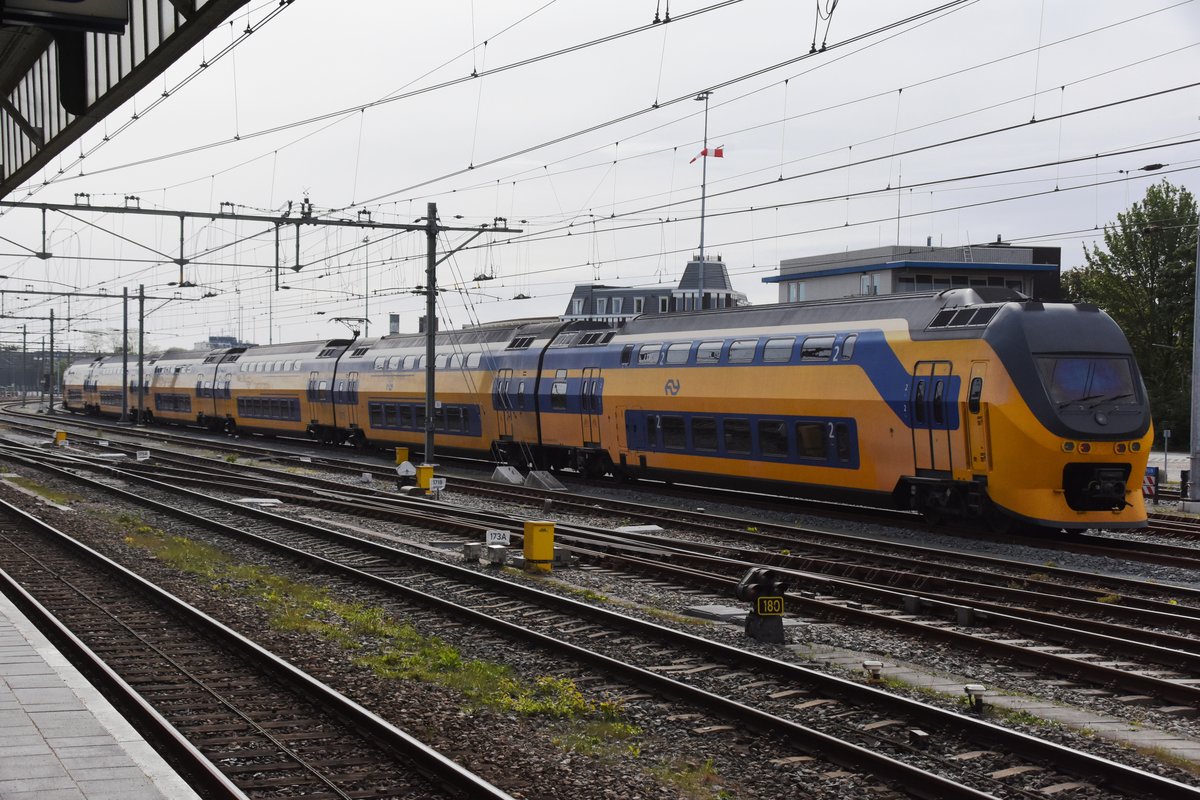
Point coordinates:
[[769, 607]]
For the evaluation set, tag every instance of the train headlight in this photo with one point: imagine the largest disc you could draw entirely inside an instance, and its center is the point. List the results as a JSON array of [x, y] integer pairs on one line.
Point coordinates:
[[1084, 447], [1120, 448], [1068, 447], [1136, 447]]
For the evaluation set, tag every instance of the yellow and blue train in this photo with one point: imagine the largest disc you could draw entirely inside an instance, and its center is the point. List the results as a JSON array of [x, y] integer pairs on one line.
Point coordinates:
[[969, 402]]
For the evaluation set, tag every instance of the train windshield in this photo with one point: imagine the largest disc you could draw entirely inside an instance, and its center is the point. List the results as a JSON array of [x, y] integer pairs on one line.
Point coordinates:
[[1086, 379]]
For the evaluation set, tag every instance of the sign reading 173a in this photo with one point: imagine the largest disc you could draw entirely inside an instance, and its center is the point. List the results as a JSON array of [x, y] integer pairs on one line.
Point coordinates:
[[769, 606]]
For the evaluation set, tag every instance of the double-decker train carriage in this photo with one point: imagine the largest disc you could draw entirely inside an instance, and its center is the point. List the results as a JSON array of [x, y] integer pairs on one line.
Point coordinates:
[[95, 387], [970, 402]]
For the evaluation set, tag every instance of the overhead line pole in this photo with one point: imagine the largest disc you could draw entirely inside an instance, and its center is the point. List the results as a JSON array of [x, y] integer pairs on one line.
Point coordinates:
[[432, 229], [141, 409], [431, 233]]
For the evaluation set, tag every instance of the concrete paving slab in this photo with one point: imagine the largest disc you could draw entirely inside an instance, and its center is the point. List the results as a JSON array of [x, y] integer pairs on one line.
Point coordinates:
[[59, 737]]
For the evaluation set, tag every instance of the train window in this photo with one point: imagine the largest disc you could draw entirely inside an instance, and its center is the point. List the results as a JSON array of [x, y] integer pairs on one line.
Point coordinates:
[[741, 351], [652, 430], [392, 363], [810, 439], [939, 410], [772, 438], [709, 352], [456, 361], [817, 348], [704, 433], [984, 315], [419, 418], [440, 360], [473, 360], [648, 354], [848, 346], [737, 435], [380, 362], [674, 433], [560, 374], [942, 318], [279, 366], [841, 435], [421, 362], [626, 355], [962, 317], [778, 350], [919, 402], [678, 353], [1079, 379], [974, 395], [558, 396], [521, 395], [410, 362]]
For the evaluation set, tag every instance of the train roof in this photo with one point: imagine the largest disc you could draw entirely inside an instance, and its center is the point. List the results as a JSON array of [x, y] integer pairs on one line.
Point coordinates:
[[917, 308]]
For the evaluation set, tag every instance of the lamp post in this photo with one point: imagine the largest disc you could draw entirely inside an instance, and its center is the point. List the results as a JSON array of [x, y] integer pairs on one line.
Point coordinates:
[[703, 196], [1192, 504], [366, 287]]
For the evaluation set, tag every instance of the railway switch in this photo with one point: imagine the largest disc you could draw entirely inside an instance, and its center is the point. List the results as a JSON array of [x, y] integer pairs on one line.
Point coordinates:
[[764, 588]]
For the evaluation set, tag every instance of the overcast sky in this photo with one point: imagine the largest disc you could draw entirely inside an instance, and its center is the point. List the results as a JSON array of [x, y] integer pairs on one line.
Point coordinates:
[[571, 148]]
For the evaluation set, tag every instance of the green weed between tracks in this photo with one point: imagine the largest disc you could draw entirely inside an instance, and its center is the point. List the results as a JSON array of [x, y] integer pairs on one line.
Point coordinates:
[[392, 649], [53, 495]]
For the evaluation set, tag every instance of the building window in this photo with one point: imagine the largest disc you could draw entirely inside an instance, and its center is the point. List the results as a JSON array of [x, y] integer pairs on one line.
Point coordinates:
[[577, 306], [601, 305], [795, 291], [662, 305], [639, 303], [618, 302]]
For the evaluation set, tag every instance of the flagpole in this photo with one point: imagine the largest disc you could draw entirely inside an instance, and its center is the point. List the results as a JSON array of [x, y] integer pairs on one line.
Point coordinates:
[[703, 194]]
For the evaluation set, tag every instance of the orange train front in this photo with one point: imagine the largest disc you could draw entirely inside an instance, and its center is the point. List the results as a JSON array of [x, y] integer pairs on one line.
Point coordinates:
[[977, 403]]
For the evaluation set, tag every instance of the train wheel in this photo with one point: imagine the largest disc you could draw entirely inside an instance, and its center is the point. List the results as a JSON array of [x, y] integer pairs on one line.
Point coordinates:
[[231, 428]]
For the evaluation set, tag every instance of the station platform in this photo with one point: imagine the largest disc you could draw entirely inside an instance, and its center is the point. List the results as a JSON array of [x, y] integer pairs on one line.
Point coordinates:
[[59, 738]]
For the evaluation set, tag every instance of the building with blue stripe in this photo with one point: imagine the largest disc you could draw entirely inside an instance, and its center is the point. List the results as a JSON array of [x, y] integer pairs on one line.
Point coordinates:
[[893, 269]]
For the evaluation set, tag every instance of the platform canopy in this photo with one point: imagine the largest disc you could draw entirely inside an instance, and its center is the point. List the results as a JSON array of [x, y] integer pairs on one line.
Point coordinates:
[[64, 66]]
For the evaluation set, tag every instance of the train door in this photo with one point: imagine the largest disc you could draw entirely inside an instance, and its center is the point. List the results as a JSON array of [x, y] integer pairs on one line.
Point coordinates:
[[502, 402], [590, 390], [978, 442], [349, 398], [929, 401]]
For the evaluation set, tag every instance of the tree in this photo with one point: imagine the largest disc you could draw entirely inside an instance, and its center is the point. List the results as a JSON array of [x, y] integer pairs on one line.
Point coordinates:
[[1144, 277]]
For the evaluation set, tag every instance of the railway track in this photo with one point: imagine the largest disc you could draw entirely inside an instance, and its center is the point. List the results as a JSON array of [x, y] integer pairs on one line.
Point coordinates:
[[686, 661], [918, 583], [264, 728], [1099, 545]]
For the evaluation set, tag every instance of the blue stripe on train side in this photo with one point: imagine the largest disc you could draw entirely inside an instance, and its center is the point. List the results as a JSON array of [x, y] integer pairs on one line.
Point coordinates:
[[872, 354]]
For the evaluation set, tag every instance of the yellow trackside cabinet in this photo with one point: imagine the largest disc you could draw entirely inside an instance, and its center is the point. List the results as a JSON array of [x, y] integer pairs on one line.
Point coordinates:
[[424, 476], [539, 545]]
